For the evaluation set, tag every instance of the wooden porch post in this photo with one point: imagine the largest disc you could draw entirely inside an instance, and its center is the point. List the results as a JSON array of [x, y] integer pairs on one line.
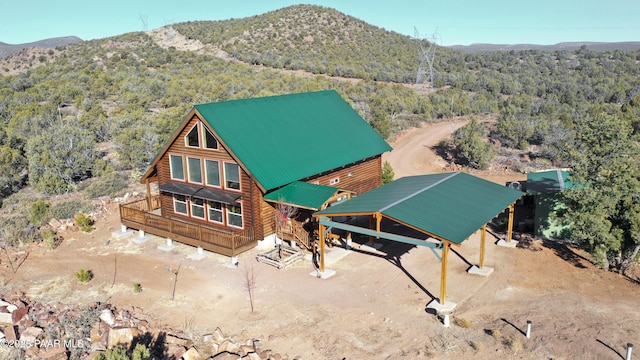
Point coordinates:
[[371, 226], [443, 272], [483, 236], [321, 240], [148, 195], [510, 224]]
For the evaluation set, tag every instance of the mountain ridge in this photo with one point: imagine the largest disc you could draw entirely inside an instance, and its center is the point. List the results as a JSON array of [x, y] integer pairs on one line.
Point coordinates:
[[49, 43]]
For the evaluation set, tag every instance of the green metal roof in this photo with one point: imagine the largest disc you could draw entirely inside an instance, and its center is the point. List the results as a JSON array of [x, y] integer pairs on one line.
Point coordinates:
[[302, 194], [451, 206], [281, 139], [548, 181]]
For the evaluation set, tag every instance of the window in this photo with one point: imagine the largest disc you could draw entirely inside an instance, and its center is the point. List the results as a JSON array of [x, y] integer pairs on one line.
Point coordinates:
[[334, 181], [177, 167], [215, 211], [234, 215], [212, 169], [195, 170], [180, 204], [210, 142], [232, 176], [193, 137], [197, 208]]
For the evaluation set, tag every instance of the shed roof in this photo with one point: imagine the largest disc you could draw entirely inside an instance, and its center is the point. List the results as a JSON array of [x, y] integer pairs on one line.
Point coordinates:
[[548, 181], [449, 206], [302, 194], [281, 139]]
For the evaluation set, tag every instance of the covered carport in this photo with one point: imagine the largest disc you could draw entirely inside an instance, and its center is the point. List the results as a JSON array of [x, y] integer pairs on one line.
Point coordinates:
[[447, 208]]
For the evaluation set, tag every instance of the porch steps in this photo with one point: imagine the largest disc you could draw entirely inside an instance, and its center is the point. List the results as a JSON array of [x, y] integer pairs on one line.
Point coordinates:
[[289, 256]]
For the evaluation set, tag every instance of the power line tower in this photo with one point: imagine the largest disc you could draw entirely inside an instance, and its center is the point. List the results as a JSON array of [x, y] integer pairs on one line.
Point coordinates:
[[426, 56]]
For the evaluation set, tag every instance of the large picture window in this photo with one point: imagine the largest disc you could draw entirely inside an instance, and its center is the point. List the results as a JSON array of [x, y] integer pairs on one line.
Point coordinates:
[[177, 167], [197, 208], [215, 211], [232, 176], [195, 170], [210, 141], [212, 168], [193, 137], [234, 215], [180, 204]]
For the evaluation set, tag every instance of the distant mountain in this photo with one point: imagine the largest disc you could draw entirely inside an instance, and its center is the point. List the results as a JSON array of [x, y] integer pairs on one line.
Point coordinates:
[[570, 46], [8, 49]]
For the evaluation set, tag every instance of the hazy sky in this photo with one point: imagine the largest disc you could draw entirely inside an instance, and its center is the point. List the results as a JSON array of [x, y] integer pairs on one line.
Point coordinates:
[[457, 22]]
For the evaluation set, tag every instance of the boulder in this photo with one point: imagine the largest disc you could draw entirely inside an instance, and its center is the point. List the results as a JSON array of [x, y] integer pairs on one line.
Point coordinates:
[[106, 315], [122, 336], [53, 353], [192, 354], [175, 351], [172, 339], [6, 318], [30, 334]]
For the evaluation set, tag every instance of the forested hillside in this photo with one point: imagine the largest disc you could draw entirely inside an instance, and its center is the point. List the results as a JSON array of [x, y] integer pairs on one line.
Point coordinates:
[[89, 114]]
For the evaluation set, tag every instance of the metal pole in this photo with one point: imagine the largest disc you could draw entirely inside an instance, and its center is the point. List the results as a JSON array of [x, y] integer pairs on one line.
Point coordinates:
[[629, 349], [528, 329]]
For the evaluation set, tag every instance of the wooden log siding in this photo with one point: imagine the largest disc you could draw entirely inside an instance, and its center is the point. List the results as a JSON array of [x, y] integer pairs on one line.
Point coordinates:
[[365, 175], [250, 214], [230, 243]]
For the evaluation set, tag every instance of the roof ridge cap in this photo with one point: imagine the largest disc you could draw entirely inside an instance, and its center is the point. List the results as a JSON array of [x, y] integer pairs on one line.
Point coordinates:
[[418, 192]]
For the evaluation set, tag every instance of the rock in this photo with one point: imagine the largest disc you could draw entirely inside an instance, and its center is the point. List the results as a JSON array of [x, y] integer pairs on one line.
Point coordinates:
[[175, 351], [10, 333], [207, 338], [1, 335], [121, 336], [192, 354], [252, 356], [54, 353], [6, 319], [245, 349], [106, 315], [172, 339], [55, 223], [19, 313], [218, 335], [229, 346], [225, 356], [30, 334]]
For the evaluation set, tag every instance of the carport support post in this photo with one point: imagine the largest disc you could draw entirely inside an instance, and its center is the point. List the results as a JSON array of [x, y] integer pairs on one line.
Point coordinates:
[[321, 240], [443, 272], [510, 223], [483, 237]]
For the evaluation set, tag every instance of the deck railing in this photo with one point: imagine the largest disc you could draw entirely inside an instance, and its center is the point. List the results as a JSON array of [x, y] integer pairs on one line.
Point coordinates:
[[138, 215]]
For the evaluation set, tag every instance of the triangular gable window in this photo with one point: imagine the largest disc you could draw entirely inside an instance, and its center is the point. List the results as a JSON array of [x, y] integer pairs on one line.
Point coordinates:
[[193, 138], [210, 141]]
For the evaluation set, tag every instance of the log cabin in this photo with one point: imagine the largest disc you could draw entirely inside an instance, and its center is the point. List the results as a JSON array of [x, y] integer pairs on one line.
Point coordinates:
[[240, 171]]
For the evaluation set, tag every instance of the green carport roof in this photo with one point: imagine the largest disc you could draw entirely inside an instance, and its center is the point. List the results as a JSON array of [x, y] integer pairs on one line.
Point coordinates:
[[286, 138], [303, 195], [448, 206]]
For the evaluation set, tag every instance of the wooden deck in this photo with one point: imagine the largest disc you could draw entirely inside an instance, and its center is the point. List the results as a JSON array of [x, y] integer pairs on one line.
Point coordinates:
[[140, 215]]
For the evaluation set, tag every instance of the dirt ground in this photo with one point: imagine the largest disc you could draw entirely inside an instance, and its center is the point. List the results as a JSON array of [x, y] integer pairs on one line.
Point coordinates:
[[375, 305]]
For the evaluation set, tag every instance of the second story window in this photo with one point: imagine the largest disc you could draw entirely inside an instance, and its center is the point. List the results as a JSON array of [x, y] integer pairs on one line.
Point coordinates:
[[212, 169], [210, 142], [177, 167], [232, 176], [193, 137], [195, 170]]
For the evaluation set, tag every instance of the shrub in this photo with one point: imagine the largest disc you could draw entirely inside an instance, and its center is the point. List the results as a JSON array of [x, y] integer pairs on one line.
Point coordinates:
[[67, 209], [84, 222], [140, 352], [108, 184], [463, 323], [84, 276], [50, 240], [39, 212], [17, 230], [137, 288]]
